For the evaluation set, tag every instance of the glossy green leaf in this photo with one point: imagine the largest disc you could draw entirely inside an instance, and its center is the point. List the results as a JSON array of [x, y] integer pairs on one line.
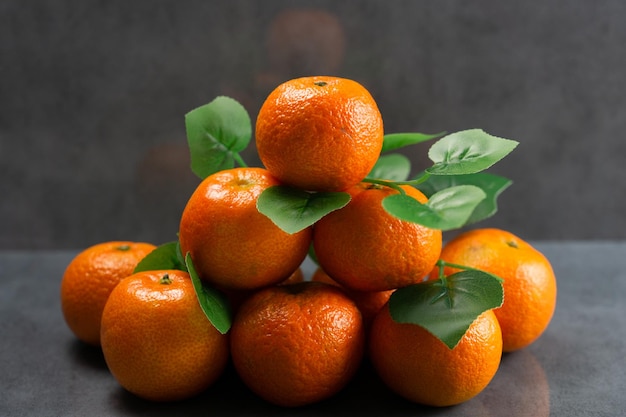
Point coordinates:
[[392, 167], [394, 141], [216, 133], [467, 152], [164, 256], [293, 209], [492, 185], [445, 210], [447, 307], [213, 303]]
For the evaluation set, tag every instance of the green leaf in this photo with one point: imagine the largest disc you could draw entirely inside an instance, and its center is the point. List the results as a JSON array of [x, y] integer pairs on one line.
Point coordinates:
[[180, 256], [394, 141], [492, 185], [216, 133], [163, 257], [293, 209], [448, 306], [445, 210], [467, 152], [213, 303], [392, 167]]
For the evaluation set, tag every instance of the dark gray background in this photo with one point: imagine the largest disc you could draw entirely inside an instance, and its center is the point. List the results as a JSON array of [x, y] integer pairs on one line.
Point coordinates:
[[93, 96]]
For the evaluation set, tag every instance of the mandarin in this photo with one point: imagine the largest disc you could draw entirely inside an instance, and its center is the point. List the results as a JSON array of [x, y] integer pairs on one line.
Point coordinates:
[[232, 244], [89, 279], [419, 367], [156, 340], [297, 344], [319, 133], [529, 282], [364, 248]]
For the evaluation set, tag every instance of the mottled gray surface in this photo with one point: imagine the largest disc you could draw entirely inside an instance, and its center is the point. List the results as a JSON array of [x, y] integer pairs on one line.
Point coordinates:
[[93, 95], [575, 369]]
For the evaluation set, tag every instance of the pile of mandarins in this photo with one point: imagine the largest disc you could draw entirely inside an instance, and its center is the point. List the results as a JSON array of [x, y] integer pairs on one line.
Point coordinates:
[[298, 340]]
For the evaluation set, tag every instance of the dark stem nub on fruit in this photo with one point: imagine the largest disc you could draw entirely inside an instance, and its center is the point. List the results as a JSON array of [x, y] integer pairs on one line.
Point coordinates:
[[512, 244], [165, 279], [123, 248], [320, 83]]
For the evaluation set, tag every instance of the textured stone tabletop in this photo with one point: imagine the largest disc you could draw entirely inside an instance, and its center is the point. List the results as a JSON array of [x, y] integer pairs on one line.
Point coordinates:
[[577, 368]]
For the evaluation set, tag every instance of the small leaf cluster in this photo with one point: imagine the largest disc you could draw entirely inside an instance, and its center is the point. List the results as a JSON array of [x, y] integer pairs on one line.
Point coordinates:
[[459, 193]]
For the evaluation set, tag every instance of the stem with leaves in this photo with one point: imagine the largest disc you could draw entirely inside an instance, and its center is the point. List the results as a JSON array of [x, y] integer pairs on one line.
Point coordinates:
[[396, 185]]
